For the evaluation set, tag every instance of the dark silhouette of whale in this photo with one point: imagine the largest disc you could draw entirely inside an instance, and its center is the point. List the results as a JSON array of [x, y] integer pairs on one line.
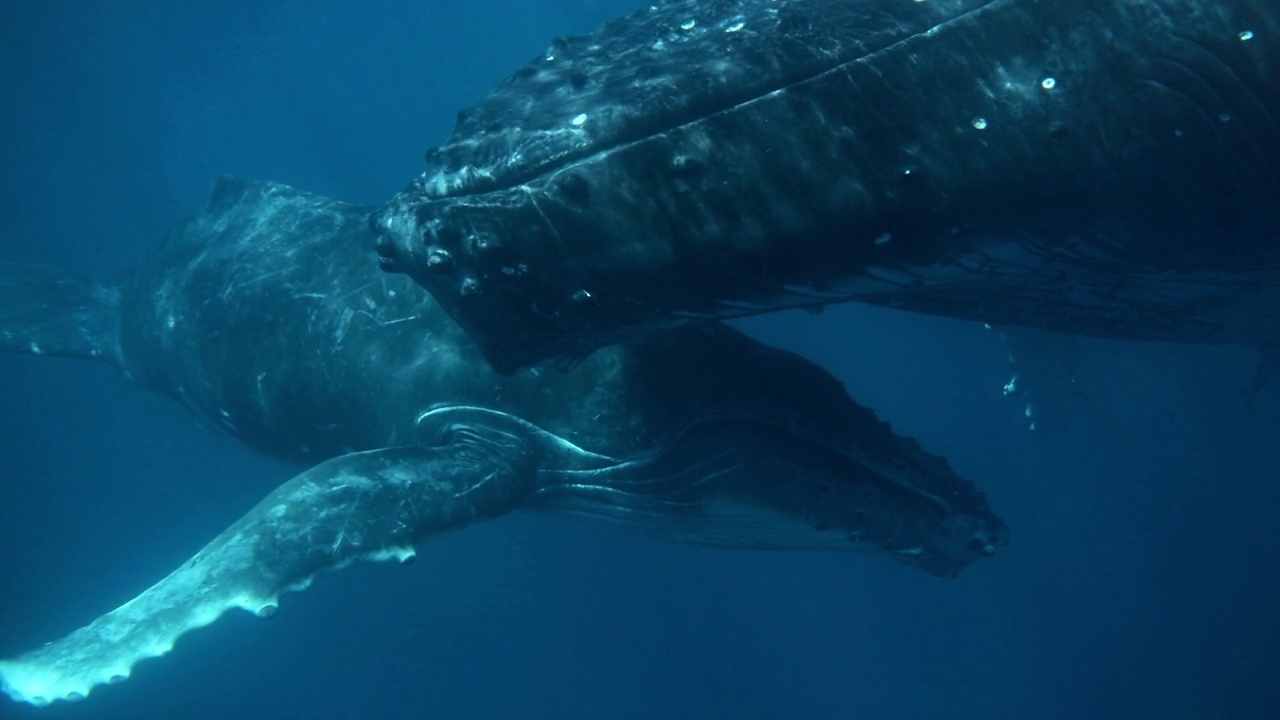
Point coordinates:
[[1092, 167], [264, 316]]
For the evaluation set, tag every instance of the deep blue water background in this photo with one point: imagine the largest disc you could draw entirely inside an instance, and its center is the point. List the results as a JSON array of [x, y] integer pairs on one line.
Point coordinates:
[[1142, 579]]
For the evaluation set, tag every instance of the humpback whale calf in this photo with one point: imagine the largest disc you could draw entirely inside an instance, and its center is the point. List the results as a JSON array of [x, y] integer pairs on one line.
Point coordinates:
[[1090, 167], [262, 315]]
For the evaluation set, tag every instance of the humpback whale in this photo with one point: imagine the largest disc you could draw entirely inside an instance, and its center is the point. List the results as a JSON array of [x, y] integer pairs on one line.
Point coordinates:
[[1089, 167], [262, 316]]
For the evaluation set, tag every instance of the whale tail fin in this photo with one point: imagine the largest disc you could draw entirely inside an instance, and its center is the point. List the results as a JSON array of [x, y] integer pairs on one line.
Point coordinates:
[[44, 311]]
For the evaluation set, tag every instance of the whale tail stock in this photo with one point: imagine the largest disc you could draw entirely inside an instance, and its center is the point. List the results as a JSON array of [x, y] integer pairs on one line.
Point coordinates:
[[44, 311]]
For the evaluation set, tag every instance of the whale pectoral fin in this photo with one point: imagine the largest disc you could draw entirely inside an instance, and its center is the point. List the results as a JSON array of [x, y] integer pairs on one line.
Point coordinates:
[[374, 505], [47, 312]]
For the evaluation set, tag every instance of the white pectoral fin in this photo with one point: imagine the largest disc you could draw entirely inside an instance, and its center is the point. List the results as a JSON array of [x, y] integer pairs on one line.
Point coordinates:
[[374, 505]]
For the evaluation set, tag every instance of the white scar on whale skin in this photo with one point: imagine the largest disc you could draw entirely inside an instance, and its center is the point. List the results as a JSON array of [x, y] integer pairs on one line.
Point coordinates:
[[371, 505]]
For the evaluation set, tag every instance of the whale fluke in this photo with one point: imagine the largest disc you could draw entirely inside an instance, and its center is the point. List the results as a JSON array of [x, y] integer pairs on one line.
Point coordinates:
[[48, 312], [373, 505]]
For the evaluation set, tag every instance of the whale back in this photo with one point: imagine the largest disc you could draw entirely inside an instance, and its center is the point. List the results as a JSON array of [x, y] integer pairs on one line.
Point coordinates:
[[663, 66]]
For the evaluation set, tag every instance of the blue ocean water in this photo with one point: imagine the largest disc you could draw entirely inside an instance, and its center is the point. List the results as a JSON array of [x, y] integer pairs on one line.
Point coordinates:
[[1141, 581]]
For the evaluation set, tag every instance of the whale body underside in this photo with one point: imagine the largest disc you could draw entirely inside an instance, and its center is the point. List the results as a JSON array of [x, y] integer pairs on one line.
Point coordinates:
[[1091, 167]]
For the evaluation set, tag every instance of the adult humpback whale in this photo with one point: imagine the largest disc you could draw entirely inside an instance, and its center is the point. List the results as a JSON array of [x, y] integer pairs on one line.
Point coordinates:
[[1086, 166], [261, 316]]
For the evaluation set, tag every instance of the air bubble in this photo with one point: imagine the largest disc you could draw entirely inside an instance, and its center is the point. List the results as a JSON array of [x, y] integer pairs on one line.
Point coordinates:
[[579, 120], [979, 123], [688, 24], [1246, 36], [1048, 83], [735, 27]]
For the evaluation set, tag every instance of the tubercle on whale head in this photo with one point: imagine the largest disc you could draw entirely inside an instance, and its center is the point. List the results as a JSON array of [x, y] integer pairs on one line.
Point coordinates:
[[501, 272]]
